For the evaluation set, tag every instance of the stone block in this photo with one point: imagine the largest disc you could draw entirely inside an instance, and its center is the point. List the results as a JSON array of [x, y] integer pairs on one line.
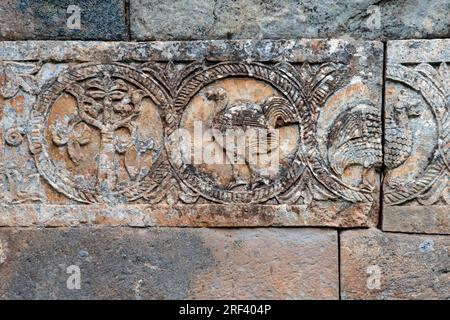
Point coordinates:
[[289, 19], [168, 263], [417, 137], [209, 133], [63, 20], [377, 265]]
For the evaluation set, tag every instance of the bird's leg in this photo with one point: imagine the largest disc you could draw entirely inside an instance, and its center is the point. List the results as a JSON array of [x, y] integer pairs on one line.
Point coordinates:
[[256, 178], [236, 179]]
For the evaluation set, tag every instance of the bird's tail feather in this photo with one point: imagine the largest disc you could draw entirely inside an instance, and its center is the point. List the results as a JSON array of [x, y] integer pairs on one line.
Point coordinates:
[[278, 108]]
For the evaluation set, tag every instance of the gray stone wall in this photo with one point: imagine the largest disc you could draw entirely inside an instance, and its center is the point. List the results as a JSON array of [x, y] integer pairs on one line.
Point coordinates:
[[147, 20], [250, 19], [360, 208]]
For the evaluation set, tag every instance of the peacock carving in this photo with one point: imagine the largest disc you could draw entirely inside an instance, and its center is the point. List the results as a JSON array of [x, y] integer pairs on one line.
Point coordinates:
[[399, 136], [261, 120], [355, 139]]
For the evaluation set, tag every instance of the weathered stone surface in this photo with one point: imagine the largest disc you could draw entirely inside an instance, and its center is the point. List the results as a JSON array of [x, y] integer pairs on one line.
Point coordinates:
[[58, 19], [296, 51], [416, 219], [250, 19], [197, 215], [253, 137], [169, 263], [417, 137], [377, 265]]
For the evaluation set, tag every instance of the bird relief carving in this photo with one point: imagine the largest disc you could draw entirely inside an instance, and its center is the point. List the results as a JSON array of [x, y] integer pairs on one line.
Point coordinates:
[[117, 133], [257, 115], [258, 125], [417, 135]]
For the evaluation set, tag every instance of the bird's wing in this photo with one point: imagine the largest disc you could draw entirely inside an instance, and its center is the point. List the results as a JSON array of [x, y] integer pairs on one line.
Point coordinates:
[[354, 137], [348, 126]]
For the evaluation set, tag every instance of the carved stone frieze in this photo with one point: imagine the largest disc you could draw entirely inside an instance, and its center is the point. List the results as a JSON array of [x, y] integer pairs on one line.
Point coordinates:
[[297, 137]]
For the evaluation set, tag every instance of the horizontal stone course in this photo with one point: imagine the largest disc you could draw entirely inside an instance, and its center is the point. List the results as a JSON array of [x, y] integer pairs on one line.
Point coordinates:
[[228, 19], [292, 50], [59, 207], [222, 19], [169, 263]]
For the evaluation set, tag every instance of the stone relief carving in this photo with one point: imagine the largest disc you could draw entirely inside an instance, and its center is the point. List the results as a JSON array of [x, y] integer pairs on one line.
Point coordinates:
[[19, 180], [15, 76], [97, 133], [417, 134], [283, 97], [183, 143], [105, 117]]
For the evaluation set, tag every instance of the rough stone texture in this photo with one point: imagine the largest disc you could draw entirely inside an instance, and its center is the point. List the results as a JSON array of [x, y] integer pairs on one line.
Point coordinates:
[[183, 215], [33, 19], [417, 137], [416, 219], [169, 263], [410, 266], [250, 19], [297, 51], [100, 142]]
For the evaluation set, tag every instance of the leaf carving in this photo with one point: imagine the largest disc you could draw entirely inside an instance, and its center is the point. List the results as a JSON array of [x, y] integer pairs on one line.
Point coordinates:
[[17, 75]]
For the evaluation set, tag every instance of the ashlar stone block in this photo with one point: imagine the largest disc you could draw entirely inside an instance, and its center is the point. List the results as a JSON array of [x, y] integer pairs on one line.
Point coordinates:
[[417, 137], [210, 133], [250, 19], [387, 266], [63, 20], [168, 263]]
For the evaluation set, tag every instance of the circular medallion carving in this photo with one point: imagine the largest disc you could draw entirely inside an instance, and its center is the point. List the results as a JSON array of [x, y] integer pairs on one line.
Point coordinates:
[[237, 134], [96, 131], [421, 80]]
